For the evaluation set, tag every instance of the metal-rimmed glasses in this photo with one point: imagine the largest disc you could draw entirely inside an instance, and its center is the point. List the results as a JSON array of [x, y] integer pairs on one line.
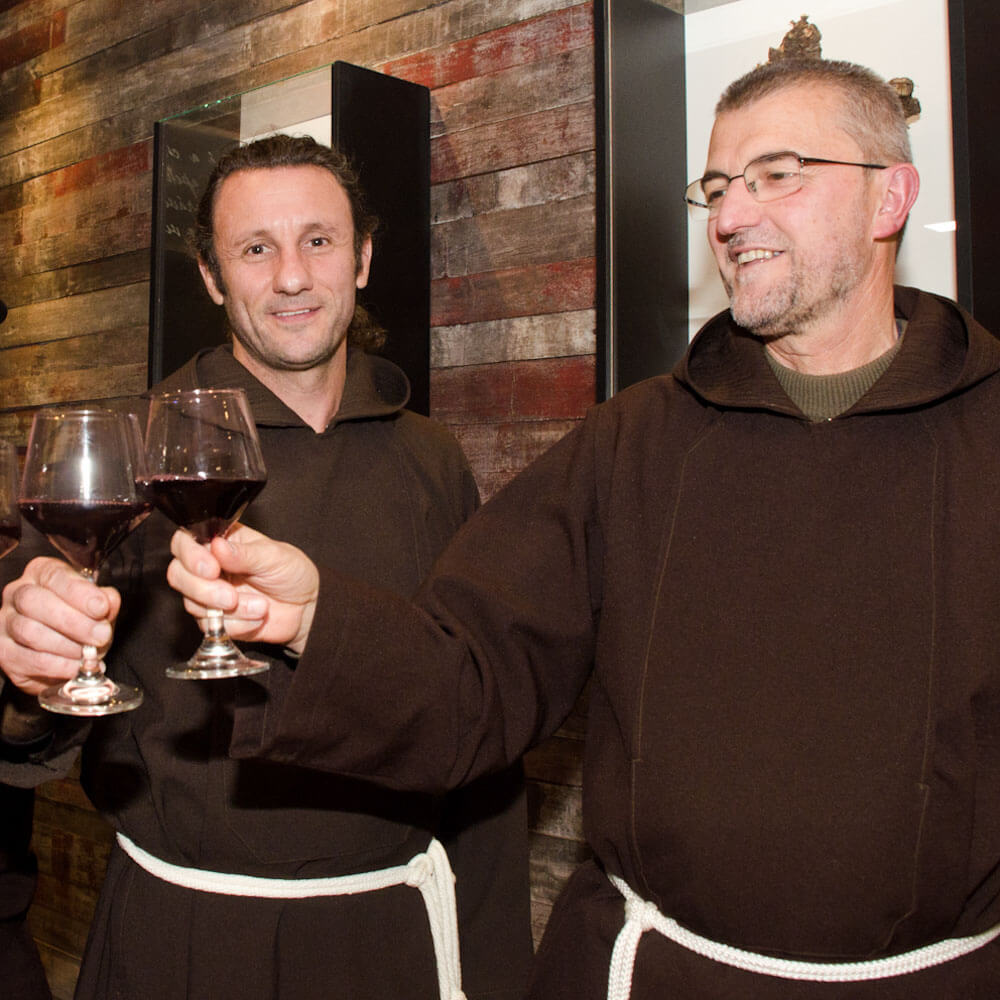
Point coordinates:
[[768, 178]]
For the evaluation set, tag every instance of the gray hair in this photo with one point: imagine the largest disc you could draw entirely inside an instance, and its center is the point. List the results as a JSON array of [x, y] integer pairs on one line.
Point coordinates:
[[872, 113]]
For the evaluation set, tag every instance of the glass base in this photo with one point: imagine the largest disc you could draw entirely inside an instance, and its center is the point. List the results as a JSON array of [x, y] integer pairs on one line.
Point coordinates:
[[217, 657], [90, 700]]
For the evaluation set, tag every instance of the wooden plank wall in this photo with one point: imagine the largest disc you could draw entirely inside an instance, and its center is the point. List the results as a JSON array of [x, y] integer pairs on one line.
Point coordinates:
[[81, 83]]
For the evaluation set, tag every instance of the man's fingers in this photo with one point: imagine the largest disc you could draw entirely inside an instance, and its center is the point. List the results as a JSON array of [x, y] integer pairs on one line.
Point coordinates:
[[59, 578], [60, 633], [45, 671], [42, 618], [48, 614], [199, 592]]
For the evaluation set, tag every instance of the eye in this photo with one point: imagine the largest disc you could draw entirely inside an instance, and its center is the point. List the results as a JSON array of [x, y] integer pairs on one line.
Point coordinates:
[[714, 192], [776, 175], [319, 241], [778, 172], [255, 249]]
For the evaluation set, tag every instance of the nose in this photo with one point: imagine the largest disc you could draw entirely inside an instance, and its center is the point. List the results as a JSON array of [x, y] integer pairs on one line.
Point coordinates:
[[738, 210], [292, 274]]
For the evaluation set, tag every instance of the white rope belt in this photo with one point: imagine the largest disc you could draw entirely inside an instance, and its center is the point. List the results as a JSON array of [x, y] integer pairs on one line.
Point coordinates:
[[641, 916], [430, 872]]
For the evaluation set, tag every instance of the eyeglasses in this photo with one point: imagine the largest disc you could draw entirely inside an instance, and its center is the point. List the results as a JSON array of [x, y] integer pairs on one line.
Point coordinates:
[[767, 178]]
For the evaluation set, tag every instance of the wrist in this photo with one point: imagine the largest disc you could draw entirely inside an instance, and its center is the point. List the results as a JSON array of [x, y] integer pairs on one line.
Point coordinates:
[[296, 646]]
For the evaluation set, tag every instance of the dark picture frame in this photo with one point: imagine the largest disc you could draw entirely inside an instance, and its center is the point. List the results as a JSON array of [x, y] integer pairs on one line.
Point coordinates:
[[642, 256], [974, 26]]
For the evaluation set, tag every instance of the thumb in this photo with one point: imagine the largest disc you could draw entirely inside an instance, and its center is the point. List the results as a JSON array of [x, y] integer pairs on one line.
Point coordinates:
[[239, 551], [274, 568]]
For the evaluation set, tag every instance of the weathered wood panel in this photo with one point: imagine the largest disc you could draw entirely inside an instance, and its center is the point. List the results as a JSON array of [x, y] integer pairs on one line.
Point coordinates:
[[555, 775], [85, 209], [556, 82], [554, 811], [552, 862], [56, 318], [530, 235], [118, 164], [532, 184], [109, 272], [32, 40], [96, 366], [498, 451], [557, 761], [548, 389], [17, 15], [444, 26], [561, 286], [72, 843], [66, 907], [64, 250], [526, 337], [539, 136], [531, 41], [122, 35], [213, 67], [61, 970]]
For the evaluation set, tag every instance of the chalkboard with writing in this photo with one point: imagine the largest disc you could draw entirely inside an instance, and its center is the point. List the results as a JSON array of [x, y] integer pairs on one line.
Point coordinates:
[[183, 318], [382, 124]]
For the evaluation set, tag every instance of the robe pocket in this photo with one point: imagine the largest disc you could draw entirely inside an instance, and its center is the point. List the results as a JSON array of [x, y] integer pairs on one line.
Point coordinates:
[[780, 862]]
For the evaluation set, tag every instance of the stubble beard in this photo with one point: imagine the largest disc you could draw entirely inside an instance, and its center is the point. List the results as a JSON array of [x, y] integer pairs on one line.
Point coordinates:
[[805, 297], [820, 281], [256, 347], [281, 363]]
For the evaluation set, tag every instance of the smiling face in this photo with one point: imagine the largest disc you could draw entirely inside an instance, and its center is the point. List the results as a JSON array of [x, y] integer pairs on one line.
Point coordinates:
[[809, 259], [284, 239]]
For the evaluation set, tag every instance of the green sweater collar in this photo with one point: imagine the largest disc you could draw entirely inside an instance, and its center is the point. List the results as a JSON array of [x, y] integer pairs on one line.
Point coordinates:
[[823, 397]]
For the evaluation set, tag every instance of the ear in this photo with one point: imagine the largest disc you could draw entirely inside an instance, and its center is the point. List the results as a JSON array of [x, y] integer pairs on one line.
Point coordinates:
[[900, 185], [213, 289], [366, 263]]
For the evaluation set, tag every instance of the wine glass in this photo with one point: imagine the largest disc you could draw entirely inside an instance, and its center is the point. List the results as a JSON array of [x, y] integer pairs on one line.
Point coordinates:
[[10, 518], [79, 490], [204, 468]]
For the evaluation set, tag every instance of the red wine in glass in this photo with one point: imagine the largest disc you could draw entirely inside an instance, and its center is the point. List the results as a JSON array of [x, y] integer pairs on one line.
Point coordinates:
[[206, 507], [79, 490], [10, 520], [86, 533], [203, 467]]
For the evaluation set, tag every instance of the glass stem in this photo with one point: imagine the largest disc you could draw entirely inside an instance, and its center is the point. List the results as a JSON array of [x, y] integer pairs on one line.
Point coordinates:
[[214, 627], [91, 666]]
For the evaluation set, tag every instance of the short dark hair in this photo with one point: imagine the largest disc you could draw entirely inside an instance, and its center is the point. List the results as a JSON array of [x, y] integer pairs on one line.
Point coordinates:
[[282, 150], [872, 111]]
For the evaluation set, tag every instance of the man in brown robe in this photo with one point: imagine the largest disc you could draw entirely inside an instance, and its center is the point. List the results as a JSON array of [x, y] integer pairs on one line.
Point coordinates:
[[369, 488]]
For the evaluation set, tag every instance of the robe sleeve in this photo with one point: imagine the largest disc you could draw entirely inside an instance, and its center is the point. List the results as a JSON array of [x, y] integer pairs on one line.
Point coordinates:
[[486, 661], [32, 753]]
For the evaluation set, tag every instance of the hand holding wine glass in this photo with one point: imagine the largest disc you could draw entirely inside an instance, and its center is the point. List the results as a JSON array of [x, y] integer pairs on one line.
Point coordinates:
[[274, 591], [79, 490], [10, 518], [204, 468]]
